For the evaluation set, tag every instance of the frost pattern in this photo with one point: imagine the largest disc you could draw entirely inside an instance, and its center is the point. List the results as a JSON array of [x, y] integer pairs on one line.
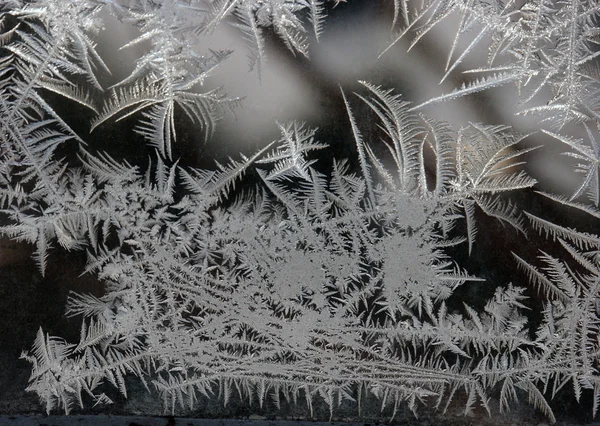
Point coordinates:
[[324, 280]]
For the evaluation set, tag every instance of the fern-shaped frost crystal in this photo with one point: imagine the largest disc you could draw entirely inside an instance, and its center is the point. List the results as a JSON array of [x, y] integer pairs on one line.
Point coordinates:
[[325, 279]]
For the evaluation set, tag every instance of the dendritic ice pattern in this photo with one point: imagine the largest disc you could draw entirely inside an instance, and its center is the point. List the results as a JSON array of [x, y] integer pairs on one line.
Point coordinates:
[[289, 274]]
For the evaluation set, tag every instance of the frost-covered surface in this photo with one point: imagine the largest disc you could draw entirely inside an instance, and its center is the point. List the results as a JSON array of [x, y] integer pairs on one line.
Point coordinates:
[[330, 279]]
